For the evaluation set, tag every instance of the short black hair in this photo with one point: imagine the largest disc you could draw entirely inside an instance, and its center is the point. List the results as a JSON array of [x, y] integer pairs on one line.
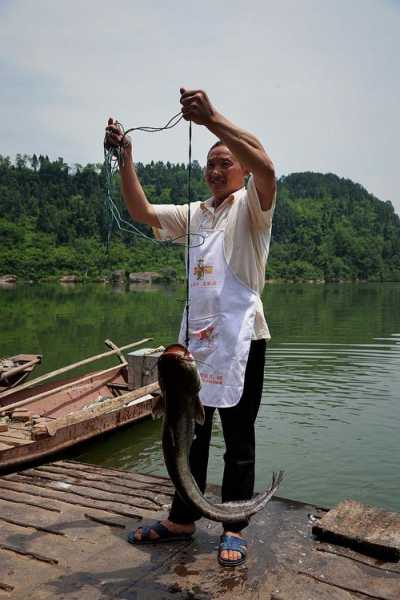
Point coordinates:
[[218, 143]]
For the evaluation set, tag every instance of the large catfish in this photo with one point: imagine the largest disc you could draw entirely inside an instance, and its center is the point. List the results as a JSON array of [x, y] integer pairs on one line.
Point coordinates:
[[180, 404]]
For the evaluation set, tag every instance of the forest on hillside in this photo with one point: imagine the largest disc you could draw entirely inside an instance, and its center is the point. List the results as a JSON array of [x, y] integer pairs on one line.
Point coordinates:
[[54, 221]]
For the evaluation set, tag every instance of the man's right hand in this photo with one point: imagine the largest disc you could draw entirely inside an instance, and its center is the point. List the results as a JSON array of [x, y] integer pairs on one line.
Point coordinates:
[[196, 107], [115, 138]]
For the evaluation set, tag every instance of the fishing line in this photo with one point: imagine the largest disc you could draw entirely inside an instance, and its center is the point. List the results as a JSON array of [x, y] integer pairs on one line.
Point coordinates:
[[113, 158], [188, 236]]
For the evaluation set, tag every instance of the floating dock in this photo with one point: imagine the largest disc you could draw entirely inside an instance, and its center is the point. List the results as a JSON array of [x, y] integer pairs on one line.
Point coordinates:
[[63, 529]]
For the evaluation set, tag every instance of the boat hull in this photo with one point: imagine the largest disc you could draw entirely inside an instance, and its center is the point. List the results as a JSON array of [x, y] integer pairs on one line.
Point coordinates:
[[16, 457], [56, 416]]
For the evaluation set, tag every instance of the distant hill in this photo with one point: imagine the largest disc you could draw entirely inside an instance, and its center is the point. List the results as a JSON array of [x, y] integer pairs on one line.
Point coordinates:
[[331, 228], [53, 222]]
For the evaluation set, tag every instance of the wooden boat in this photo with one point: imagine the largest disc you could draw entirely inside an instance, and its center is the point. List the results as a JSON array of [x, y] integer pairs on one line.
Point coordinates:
[[37, 422], [15, 369]]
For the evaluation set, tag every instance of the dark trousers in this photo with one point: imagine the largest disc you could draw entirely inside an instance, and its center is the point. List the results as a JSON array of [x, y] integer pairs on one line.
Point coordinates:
[[239, 435]]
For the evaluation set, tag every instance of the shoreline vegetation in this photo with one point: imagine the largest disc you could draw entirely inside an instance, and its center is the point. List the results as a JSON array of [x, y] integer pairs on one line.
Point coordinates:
[[54, 225], [147, 279]]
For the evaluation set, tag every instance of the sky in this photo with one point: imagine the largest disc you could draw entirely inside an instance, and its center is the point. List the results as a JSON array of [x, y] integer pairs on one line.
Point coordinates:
[[318, 82]]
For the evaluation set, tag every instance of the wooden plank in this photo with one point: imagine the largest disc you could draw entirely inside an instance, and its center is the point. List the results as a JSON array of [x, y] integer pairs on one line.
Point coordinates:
[[95, 561], [10, 510], [287, 585], [114, 472], [58, 523], [88, 491], [29, 525], [17, 427], [376, 563], [11, 441], [18, 433], [24, 574], [355, 578], [4, 446], [21, 550], [103, 408], [157, 500], [105, 521], [74, 498], [365, 528], [15, 498], [113, 476]]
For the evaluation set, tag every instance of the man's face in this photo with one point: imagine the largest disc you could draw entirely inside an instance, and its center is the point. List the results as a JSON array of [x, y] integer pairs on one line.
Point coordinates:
[[224, 174]]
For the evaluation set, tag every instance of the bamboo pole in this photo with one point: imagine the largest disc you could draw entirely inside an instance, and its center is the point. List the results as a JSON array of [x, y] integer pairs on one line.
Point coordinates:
[[85, 361], [111, 345]]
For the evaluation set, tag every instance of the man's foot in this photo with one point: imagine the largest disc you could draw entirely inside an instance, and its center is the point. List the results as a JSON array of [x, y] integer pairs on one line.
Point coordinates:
[[162, 531], [232, 549]]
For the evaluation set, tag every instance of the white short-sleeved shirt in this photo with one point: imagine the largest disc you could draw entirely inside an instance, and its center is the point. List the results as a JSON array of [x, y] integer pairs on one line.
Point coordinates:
[[247, 235]]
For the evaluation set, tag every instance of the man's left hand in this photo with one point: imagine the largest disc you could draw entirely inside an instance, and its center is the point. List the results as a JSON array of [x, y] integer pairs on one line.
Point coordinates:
[[196, 107]]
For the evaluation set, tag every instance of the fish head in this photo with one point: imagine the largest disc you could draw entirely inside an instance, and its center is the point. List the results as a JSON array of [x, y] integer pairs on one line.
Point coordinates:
[[176, 365], [179, 381]]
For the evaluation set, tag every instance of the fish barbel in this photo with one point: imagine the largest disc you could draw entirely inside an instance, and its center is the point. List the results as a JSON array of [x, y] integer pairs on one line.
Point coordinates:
[[180, 404]]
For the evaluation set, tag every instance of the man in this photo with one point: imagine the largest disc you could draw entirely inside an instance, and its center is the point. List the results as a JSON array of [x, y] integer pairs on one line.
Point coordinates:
[[227, 328]]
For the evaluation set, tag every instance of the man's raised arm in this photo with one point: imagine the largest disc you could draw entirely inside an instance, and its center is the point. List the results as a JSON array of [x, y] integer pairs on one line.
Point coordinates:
[[136, 202], [245, 146]]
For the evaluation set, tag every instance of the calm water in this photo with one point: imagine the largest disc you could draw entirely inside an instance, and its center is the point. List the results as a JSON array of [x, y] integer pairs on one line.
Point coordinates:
[[330, 414]]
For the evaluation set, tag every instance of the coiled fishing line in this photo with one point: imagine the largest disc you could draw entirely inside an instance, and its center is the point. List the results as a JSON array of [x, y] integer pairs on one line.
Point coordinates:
[[113, 158]]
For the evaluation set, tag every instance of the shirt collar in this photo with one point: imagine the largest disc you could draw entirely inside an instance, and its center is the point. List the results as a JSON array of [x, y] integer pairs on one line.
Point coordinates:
[[208, 204]]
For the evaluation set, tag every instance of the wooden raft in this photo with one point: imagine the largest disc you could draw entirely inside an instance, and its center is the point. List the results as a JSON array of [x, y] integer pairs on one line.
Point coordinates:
[[63, 530]]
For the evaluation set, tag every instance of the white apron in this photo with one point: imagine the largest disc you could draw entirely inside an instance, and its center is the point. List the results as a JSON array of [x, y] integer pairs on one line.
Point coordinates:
[[221, 322]]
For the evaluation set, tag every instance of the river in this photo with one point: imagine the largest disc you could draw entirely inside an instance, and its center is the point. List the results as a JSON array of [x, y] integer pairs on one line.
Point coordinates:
[[330, 414]]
